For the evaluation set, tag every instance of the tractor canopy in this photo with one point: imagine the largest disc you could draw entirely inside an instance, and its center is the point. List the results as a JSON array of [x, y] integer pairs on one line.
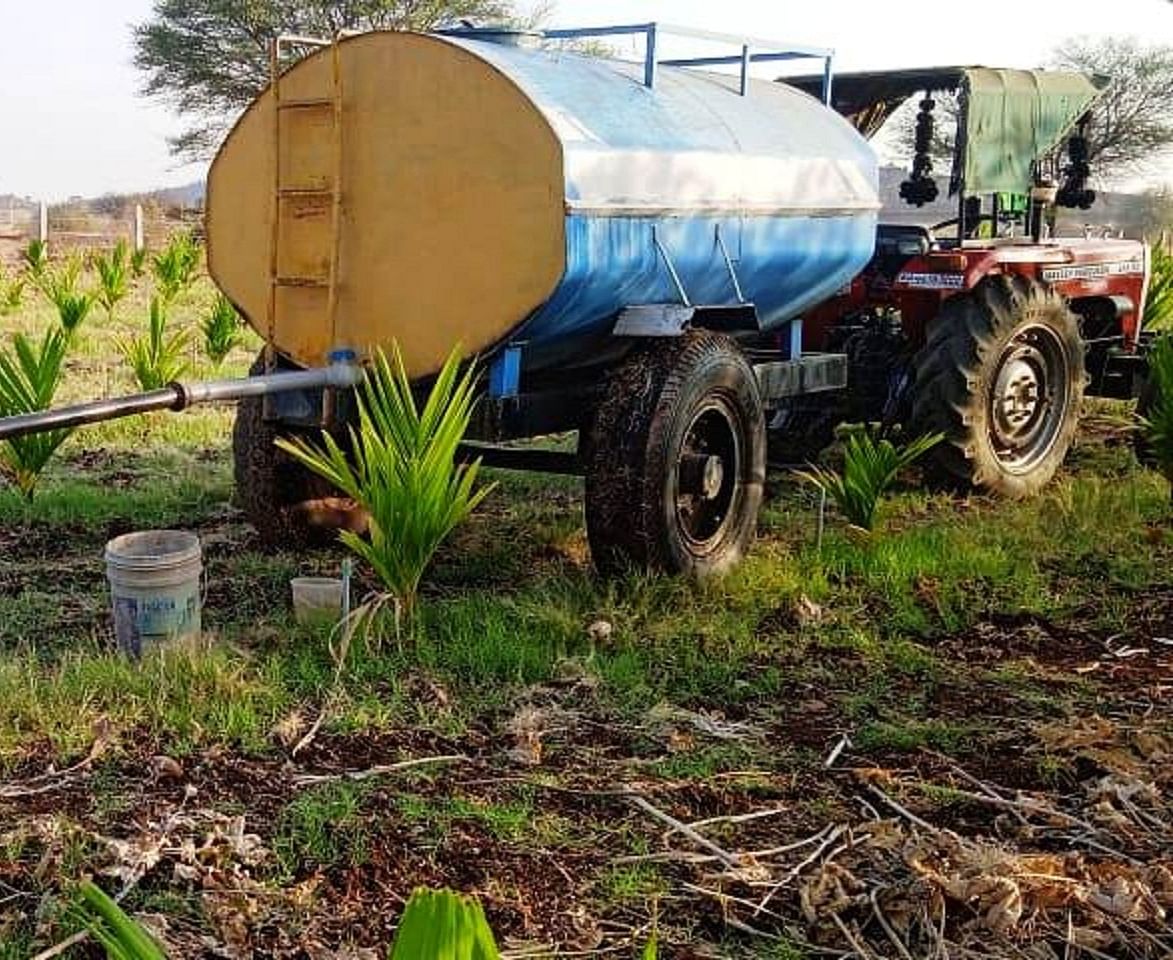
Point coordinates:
[[1007, 121]]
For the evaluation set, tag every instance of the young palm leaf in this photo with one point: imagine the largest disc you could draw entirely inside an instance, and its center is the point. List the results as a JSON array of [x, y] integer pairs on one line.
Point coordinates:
[[175, 266], [158, 358], [72, 309], [61, 282], [442, 925], [113, 277], [11, 291], [121, 936], [29, 378], [221, 330], [1158, 420], [869, 467], [138, 261], [1158, 308], [403, 470], [36, 257]]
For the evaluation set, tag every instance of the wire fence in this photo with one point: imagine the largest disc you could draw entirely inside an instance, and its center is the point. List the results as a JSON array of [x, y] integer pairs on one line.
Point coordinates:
[[72, 228]]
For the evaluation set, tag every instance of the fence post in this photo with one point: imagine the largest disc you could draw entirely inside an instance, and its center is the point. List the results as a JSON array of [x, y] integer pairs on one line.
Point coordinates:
[[138, 227], [43, 223]]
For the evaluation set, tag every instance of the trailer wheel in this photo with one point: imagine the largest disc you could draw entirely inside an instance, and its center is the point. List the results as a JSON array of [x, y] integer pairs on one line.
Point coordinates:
[[1002, 377], [286, 503], [676, 459]]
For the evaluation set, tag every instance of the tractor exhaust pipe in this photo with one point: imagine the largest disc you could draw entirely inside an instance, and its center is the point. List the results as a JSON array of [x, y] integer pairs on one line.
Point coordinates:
[[341, 374]]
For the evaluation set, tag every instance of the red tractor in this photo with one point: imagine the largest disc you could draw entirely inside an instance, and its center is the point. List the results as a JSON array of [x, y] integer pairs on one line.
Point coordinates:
[[986, 327]]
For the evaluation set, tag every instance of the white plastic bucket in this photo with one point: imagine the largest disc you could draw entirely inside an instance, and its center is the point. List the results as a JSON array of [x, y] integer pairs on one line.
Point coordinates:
[[154, 587], [316, 600]]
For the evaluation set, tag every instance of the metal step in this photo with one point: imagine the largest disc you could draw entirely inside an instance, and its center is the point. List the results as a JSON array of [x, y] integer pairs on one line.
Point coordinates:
[[322, 282], [308, 103]]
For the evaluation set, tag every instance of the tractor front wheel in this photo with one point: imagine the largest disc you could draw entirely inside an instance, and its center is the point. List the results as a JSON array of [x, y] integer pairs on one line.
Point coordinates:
[[1002, 377], [676, 459]]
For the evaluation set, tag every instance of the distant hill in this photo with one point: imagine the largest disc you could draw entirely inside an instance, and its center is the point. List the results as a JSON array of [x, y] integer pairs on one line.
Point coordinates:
[[188, 195]]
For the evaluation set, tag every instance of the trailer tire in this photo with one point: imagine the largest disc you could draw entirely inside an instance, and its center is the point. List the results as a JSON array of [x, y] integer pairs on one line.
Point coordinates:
[[287, 504], [676, 459], [1002, 377]]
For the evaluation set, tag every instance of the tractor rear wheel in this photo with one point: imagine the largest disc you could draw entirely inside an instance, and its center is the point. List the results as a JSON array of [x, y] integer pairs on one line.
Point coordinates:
[[1002, 377], [676, 459], [286, 503]]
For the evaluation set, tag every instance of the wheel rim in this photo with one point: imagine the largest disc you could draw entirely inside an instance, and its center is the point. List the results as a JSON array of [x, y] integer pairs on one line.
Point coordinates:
[[1029, 398], [705, 487]]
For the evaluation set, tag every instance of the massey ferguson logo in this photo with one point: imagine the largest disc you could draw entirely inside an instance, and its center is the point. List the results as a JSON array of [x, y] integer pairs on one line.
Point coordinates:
[[932, 281], [1093, 271]]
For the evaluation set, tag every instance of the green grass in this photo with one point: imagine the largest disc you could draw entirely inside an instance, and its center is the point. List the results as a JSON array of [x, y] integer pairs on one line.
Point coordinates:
[[938, 571], [323, 827], [183, 698], [511, 821], [908, 736], [632, 884]]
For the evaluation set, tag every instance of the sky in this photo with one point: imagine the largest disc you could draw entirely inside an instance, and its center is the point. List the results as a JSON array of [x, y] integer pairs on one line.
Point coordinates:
[[72, 120]]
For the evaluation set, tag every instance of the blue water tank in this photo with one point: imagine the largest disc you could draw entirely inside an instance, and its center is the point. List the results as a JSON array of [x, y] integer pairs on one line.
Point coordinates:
[[772, 189]]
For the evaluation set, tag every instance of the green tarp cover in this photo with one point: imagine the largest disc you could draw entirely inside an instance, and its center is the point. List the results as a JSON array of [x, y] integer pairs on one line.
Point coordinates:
[[1013, 117]]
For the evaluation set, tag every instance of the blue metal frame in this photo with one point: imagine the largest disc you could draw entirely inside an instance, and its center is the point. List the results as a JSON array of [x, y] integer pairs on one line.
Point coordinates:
[[767, 51], [505, 373]]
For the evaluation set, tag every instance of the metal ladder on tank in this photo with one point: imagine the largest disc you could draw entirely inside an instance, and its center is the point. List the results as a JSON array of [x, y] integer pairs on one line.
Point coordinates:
[[332, 193]]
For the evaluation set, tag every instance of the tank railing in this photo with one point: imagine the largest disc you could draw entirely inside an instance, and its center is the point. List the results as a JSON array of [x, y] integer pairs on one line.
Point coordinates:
[[751, 50]]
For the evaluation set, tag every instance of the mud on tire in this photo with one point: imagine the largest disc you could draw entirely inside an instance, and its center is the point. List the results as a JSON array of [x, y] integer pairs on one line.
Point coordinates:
[[272, 489], [675, 459], [1002, 377]]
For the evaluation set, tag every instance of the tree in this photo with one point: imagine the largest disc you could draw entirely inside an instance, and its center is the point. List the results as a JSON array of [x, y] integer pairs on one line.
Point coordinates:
[[210, 58], [1133, 121]]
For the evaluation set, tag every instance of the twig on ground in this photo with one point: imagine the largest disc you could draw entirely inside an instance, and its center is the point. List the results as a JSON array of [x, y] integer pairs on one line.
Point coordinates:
[[981, 785], [850, 937], [722, 897], [311, 779], [725, 857], [1027, 804], [831, 834], [844, 741], [740, 817], [903, 811], [47, 782], [309, 734], [683, 857], [882, 918], [746, 928], [57, 949]]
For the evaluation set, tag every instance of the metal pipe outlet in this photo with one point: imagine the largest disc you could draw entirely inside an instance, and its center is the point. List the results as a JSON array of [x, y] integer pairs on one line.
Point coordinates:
[[180, 396]]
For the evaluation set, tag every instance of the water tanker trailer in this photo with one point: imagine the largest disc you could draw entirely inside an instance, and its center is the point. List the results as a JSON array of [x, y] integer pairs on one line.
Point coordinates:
[[677, 262], [626, 247]]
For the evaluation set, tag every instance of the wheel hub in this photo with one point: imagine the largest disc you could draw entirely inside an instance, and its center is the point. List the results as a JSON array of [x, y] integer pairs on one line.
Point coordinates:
[[701, 475], [706, 474], [1029, 398], [1018, 394]]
